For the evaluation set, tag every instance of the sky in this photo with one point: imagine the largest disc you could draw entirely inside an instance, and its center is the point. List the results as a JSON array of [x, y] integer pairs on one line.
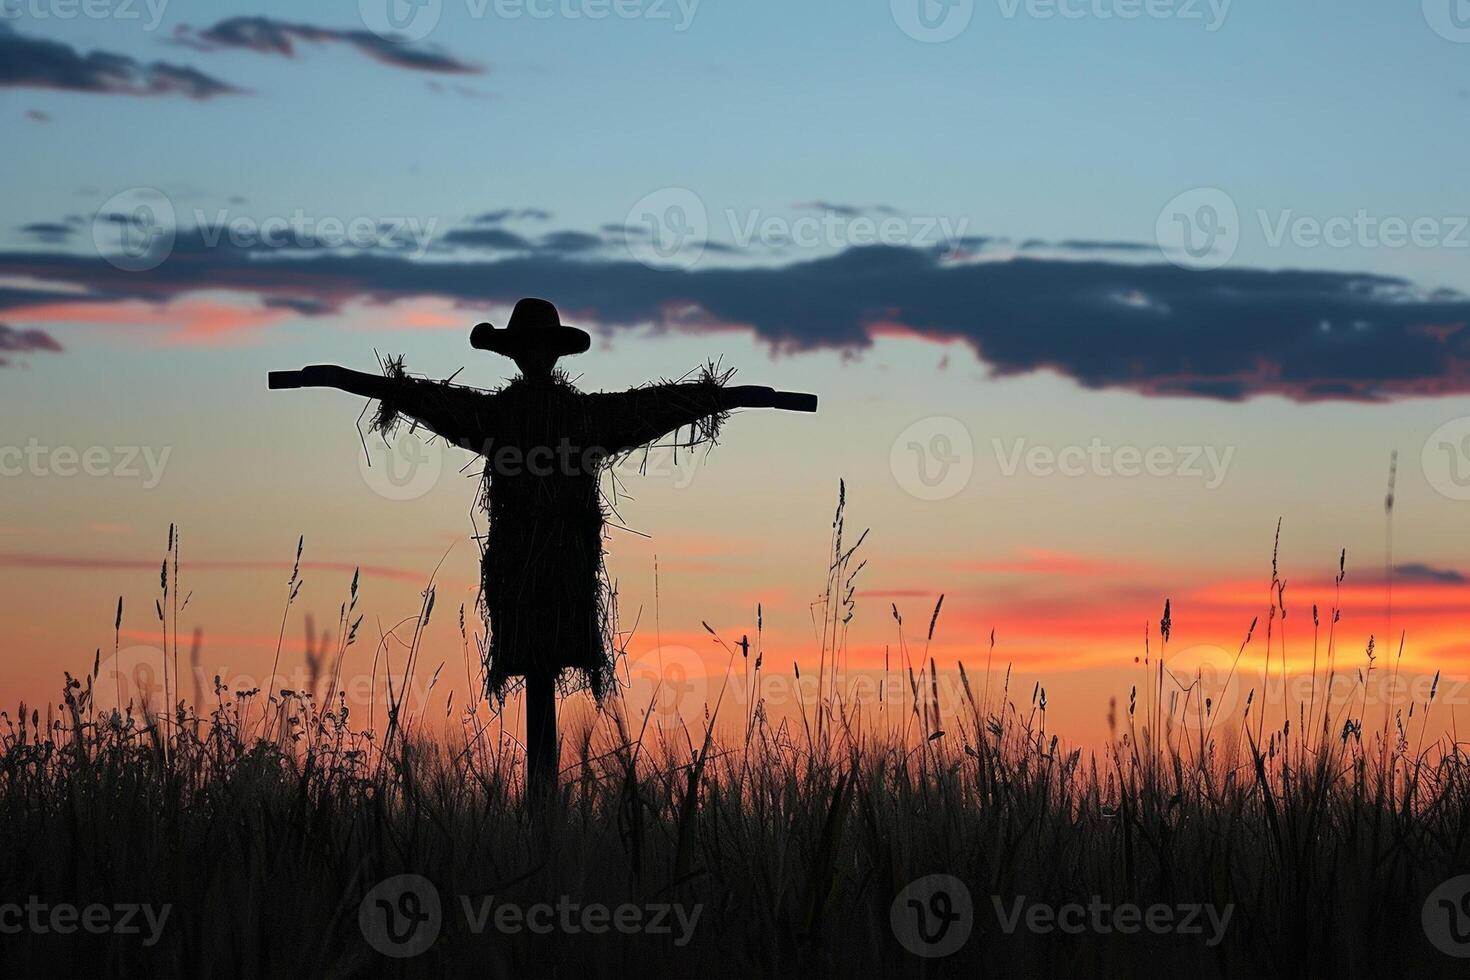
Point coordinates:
[[1093, 293]]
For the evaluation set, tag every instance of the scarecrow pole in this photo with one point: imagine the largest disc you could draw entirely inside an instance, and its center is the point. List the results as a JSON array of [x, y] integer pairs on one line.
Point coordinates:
[[543, 747], [544, 586]]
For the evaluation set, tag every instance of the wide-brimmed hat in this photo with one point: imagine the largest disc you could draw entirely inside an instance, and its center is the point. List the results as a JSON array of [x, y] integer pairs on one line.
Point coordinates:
[[534, 328]]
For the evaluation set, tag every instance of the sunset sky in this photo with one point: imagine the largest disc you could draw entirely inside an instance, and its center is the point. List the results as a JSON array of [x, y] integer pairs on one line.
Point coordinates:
[[1092, 297]]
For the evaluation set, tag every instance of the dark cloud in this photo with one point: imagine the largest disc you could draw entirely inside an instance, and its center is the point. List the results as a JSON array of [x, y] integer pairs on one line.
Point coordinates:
[[297, 304], [1083, 245], [1154, 328], [36, 115], [511, 214], [491, 239], [13, 341], [629, 235], [976, 241], [27, 62], [495, 239], [268, 36], [570, 242], [845, 210], [1419, 572], [12, 298], [49, 232]]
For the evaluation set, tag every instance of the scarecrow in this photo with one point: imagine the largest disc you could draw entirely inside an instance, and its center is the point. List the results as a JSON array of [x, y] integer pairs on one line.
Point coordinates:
[[544, 587]]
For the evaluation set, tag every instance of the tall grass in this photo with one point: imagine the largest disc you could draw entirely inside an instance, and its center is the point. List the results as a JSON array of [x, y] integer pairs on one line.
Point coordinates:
[[265, 819]]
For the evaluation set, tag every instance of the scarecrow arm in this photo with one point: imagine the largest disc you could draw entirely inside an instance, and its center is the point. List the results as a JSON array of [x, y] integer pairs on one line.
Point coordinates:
[[458, 414], [754, 396], [634, 418], [332, 376]]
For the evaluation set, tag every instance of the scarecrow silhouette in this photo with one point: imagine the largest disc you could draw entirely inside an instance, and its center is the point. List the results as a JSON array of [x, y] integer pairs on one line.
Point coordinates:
[[544, 586]]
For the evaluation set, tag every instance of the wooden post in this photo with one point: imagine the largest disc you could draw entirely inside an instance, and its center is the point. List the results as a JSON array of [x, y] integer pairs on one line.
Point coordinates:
[[543, 762]]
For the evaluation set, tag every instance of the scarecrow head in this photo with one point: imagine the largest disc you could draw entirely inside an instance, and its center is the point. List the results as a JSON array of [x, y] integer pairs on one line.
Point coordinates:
[[534, 338]]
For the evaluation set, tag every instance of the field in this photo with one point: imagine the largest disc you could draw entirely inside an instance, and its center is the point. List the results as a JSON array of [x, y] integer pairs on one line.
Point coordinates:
[[262, 835]]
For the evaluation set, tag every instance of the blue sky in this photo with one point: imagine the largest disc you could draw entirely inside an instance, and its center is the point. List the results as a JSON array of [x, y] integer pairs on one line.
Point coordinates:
[[1024, 127]]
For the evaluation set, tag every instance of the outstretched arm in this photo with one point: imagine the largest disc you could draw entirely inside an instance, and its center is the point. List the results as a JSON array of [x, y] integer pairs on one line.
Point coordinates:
[[461, 415], [754, 396], [624, 420], [332, 376]]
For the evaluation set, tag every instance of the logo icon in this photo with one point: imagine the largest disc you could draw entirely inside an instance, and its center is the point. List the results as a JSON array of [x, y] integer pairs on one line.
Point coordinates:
[[132, 677], [670, 682], [1201, 689], [401, 916], [1446, 459], [1199, 230], [667, 229], [399, 20], [932, 21], [1446, 917], [1450, 19], [135, 230], [934, 458], [933, 916], [403, 465]]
